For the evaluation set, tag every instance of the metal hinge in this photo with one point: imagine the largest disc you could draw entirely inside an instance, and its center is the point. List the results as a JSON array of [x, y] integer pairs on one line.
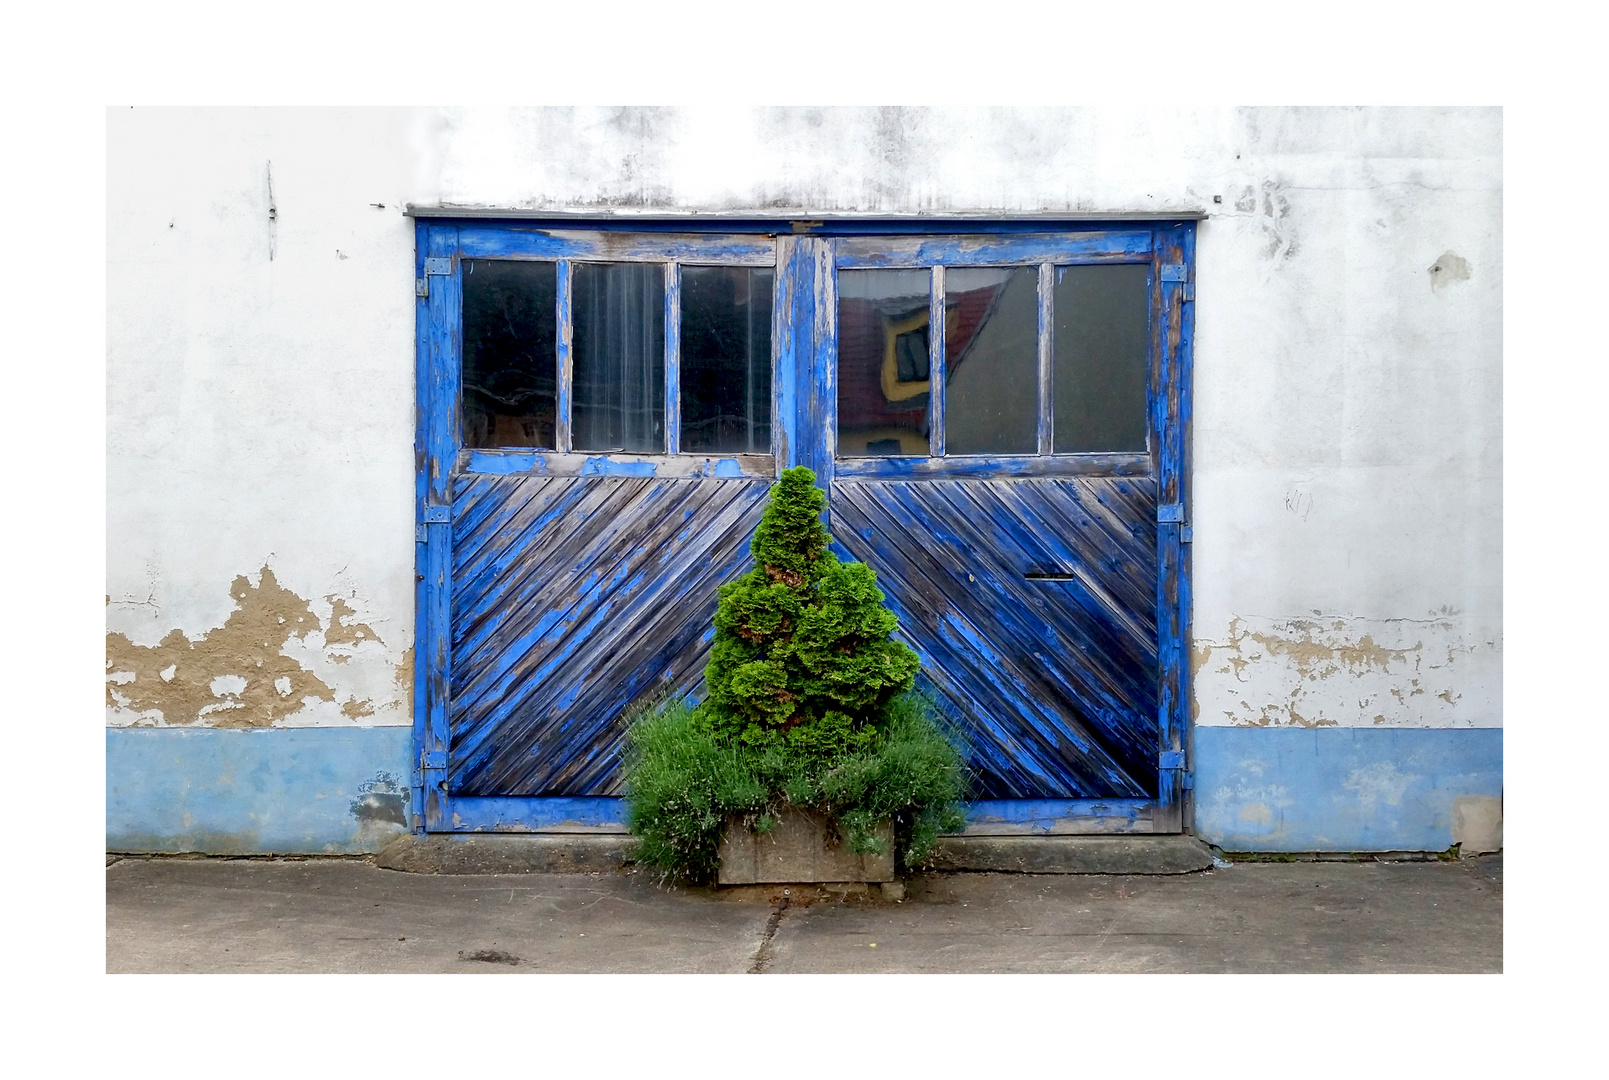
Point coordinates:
[[1189, 779], [1170, 513], [433, 268], [435, 759], [1175, 272], [1187, 534], [1171, 759], [431, 515]]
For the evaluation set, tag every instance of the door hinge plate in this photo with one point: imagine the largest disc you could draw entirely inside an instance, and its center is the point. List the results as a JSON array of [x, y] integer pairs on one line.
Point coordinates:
[[1187, 534], [421, 286], [437, 515], [435, 759], [1170, 513], [1175, 272], [1171, 759], [1189, 781], [438, 267]]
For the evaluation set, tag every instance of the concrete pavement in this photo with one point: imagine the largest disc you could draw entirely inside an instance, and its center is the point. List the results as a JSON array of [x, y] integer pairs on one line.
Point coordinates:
[[348, 915]]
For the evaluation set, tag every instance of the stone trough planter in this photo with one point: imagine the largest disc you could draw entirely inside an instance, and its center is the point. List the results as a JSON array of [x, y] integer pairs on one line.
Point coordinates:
[[803, 847]]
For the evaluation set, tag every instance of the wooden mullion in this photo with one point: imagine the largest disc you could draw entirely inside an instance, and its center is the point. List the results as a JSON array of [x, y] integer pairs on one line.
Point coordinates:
[[1047, 403], [935, 362], [673, 357], [566, 367]]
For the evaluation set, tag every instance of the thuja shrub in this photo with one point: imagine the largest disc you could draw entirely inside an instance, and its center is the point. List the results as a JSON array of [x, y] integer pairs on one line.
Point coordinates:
[[810, 702]]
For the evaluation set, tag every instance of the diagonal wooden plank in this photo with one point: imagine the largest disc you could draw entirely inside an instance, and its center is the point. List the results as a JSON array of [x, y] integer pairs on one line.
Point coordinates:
[[1069, 653], [549, 665], [947, 622]]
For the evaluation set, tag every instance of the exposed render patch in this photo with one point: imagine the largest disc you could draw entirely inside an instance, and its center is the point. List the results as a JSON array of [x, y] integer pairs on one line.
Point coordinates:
[[238, 675], [1478, 823], [1329, 671]]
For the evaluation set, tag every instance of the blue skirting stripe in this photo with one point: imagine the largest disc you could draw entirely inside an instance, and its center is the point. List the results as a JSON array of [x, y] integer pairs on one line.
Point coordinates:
[[266, 791], [1346, 789]]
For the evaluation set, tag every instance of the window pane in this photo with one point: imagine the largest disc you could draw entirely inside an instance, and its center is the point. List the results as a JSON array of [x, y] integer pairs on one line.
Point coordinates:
[[991, 360], [510, 353], [1100, 358], [618, 314], [882, 363], [726, 360]]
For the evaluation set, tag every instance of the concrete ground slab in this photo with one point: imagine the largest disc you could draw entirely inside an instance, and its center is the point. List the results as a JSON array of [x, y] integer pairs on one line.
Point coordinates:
[[323, 915], [195, 915], [1073, 854]]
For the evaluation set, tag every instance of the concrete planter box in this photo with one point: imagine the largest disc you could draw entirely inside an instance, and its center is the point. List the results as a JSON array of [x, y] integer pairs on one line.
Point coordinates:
[[803, 847]]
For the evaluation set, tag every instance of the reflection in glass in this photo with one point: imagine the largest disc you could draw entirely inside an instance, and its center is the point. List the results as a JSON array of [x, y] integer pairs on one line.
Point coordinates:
[[510, 353], [1101, 317], [726, 360], [991, 360], [882, 363], [618, 367]]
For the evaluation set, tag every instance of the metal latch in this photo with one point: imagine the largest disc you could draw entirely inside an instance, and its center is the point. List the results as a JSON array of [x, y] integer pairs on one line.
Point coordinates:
[[1170, 513]]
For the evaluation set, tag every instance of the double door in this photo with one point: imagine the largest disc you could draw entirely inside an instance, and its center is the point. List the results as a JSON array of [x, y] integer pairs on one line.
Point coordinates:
[[998, 419]]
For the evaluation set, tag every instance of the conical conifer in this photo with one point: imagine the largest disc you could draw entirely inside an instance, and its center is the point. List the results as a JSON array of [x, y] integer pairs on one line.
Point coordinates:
[[803, 655]]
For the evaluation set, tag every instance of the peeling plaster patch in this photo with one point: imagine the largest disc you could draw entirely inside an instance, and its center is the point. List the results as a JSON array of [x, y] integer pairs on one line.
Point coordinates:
[[345, 632], [242, 674], [405, 675], [1332, 670]]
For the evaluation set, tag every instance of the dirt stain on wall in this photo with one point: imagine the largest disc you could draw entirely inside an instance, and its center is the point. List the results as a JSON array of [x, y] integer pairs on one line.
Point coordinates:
[[237, 675]]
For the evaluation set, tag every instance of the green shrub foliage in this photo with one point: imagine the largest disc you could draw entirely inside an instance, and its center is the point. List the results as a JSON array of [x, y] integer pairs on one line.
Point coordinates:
[[810, 701]]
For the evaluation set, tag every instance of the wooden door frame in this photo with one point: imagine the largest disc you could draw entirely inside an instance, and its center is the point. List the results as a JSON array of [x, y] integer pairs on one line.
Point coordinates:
[[804, 410]]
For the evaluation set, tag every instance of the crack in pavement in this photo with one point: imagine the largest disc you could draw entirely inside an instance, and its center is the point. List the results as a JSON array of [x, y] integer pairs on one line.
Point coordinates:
[[762, 955]]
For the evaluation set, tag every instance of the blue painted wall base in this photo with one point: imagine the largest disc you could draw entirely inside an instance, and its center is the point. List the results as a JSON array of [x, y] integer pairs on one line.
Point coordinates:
[[324, 791], [1346, 789]]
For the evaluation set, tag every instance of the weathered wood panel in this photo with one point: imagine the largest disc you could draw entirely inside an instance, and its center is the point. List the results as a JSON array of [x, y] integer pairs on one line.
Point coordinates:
[[574, 599], [514, 242], [1032, 605], [995, 249]]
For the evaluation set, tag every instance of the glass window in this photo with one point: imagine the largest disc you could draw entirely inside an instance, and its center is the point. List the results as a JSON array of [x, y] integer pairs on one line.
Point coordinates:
[[618, 364], [883, 363], [1100, 349], [991, 360], [510, 353], [726, 360]]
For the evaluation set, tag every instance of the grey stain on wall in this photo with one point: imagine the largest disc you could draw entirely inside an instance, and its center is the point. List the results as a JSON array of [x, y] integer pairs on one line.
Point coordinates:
[[1449, 268], [381, 800]]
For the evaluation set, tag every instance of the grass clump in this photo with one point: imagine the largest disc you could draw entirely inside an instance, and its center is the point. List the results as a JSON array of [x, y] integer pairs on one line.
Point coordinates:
[[810, 703]]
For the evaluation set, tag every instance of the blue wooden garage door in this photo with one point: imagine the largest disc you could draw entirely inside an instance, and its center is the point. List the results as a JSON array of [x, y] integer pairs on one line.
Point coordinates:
[[999, 419]]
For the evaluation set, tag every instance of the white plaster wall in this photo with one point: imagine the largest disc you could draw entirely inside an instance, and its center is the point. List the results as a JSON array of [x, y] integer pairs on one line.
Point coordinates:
[[260, 412], [1347, 432]]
